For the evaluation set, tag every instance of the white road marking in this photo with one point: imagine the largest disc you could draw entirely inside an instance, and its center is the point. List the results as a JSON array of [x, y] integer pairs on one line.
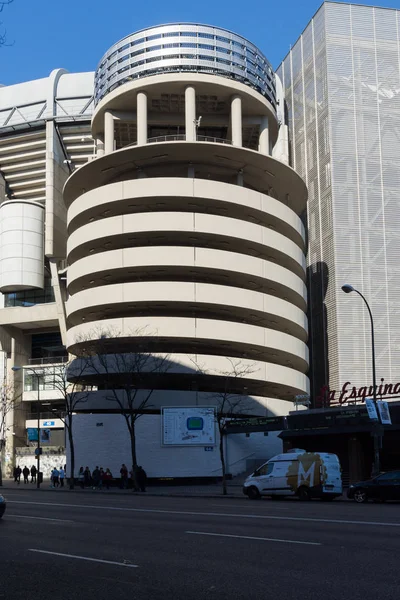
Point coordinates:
[[40, 518], [249, 537], [97, 560], [207, 514], [274, 507]]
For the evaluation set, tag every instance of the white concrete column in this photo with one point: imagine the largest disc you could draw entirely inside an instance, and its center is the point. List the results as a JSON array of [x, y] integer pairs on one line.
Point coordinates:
[[190, 114], [236, 120], [141, 112], [108, 133], [263, 141]]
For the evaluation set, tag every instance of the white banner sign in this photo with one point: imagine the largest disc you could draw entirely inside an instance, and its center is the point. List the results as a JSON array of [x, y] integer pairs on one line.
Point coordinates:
[[384, 412], [371, 408], [188, 426]]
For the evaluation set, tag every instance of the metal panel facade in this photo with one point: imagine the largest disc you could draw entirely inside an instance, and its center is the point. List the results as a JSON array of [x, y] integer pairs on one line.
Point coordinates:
[[342, 85]]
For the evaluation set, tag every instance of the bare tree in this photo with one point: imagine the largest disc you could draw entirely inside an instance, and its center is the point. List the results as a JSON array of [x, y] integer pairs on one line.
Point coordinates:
[[8, 402], [230, 401], [130, 377], [3, 34], [74, 394]]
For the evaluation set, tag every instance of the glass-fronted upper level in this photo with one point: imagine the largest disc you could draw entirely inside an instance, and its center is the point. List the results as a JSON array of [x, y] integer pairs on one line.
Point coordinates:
[[184, 47]]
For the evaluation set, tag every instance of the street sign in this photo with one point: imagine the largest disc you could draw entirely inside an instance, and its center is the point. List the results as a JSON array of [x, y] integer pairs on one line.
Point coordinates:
[[371, 408], [384, 412], [208, 448], [38, 451], [49, 423]]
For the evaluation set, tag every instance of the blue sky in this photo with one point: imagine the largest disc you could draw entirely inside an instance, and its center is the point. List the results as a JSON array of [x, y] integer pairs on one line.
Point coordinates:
[[74, 34]]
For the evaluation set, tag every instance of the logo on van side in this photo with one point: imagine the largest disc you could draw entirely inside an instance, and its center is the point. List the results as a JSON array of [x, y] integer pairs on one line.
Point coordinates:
[[303, 471]]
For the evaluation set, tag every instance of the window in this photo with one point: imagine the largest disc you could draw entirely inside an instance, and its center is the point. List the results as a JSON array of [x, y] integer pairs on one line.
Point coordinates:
[[153, 37], [188, 33], [175, 45], [265, 470], [209, 36], [223, 39], [47, 347], [139, 41], [388, 477], [31, 297], [223, 61]]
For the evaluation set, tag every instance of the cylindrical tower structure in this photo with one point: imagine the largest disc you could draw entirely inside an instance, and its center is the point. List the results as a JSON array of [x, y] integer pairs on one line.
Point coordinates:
[[22, 245], [186, 227]]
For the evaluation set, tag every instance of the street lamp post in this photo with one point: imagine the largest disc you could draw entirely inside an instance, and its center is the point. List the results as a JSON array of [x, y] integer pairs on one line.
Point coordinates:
[[38, 423], [377, 441]]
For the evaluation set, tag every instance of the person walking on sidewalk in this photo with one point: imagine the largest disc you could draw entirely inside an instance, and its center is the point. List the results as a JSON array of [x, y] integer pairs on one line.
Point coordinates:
[[81, 478], [33, 474], [61, 475], [107, 478], [124, 477], [132, 476], [96, 478], [17, 474], [88, 477], [25, 473], [56, 474], [141, 478]]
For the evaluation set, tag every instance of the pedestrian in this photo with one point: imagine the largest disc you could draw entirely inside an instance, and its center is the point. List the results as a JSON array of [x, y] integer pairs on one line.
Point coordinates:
[[25, 473], [61, 476], [81, 477], [102, 473], [56, 475], [96, 478], [107, 478], [132, 476], [141, 478], [19, 472], [124, 477], [15, 473], [33, 474], [87, 477]]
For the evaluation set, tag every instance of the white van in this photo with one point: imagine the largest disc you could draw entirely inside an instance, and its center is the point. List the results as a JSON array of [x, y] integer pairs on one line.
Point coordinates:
[[297, 473]]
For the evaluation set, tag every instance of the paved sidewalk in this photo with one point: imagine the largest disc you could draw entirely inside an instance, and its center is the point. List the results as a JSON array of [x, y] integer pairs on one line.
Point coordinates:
[[180, 491]]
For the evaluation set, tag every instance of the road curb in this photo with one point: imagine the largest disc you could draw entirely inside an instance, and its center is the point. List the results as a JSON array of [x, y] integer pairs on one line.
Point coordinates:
[[5, 488]]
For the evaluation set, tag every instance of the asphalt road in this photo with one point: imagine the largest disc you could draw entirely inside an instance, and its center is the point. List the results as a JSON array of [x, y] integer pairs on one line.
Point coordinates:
[[85, 546]]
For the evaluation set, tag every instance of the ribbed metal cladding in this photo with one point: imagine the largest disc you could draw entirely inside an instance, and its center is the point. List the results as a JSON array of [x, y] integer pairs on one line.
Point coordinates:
[[342, 84], [184, 47]]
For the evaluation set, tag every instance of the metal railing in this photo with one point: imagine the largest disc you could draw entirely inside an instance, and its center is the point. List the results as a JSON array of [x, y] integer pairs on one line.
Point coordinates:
[[214, 140], [44, 415], [48, 360], [181, 137]]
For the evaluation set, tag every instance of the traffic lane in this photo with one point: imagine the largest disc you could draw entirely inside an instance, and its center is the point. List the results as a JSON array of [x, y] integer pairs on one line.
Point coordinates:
[[119, 525], [185, 566], [49, 507], [340, 510]]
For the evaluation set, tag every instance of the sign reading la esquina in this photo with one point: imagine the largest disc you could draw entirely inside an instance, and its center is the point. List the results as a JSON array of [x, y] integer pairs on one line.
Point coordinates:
[[354, 394]]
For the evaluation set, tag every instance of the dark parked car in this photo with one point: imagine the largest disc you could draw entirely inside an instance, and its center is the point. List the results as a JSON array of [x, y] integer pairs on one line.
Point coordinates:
[[380, 488], [2, 506]]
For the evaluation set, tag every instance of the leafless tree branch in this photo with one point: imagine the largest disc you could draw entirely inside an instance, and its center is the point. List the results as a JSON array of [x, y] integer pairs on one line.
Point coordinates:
[[3, 33], [229, 403], [129, 376]]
